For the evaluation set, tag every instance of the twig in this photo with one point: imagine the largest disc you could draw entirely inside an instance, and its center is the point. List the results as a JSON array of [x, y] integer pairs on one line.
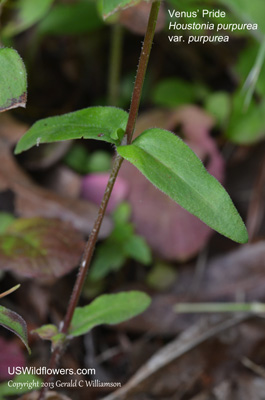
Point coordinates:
[[253, 367], [115, 63], [187, 341], [256, 206]]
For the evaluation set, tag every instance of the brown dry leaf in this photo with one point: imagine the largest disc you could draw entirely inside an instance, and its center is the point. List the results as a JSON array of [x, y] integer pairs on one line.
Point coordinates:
[[11, 130], [240, 387], [32, 200], [172, 232], [241, 272], [51, 395], [64, 181], [184, 361], [40, 248], [136, 18], [232, 276]]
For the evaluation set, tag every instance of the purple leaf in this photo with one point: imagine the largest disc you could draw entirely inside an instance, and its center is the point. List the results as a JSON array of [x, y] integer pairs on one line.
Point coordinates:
[[93, 187]]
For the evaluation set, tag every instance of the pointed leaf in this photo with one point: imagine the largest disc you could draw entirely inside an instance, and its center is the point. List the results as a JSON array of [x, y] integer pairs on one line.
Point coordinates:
[[75, 18], [108, 309], [111, 6], [28, 12], [137, 248], [13, 80], [167, 162], [99, 123], [15, 323]]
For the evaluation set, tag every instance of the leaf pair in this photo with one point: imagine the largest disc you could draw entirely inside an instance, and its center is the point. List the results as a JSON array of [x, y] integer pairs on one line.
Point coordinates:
[[162, 157]]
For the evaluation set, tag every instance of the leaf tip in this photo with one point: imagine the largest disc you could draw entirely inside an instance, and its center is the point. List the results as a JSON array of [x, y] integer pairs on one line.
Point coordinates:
[[243, 235]]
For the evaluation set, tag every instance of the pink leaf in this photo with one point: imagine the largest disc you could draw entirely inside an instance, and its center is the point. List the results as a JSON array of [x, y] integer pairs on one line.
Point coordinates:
[[93, 187], [11, 356]]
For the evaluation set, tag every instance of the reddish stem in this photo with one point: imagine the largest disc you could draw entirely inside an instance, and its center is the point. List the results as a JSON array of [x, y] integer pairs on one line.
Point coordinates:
[[90, 246]]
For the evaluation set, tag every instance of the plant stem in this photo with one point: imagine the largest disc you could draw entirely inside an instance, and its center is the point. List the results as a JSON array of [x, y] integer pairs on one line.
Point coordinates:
[[143, 62], [90, 246], [115, 64]]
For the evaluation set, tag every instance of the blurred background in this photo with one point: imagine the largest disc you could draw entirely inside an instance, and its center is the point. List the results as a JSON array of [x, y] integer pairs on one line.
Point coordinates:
[[212, 96]]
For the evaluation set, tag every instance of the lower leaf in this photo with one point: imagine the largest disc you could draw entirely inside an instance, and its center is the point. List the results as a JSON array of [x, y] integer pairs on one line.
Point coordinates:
[[108, 309]]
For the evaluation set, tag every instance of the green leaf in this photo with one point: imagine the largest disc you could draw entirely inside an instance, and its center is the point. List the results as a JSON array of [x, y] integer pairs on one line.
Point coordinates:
[[77, 158], [109, 257], [246, 126], [167, 162], [137, 248], [122, 213], [71, 19], [218, 104], [122, 244], [112, 6], [97, 123], [248, 11], [173, 92], [13, 80], [251, 67], [6, 219], [99, 161], [22, 384], [108, 309], [15, 323], [50, 332], [28, 13], [161, 276]]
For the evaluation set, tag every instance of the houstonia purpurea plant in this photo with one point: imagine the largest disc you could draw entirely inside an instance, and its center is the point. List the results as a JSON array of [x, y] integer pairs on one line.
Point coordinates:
[[162, 157]]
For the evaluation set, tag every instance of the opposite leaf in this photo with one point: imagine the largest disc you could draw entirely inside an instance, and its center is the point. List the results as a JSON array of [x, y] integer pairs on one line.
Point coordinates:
[[167, 162], [99, 123], [108, 309], [13, 80], [15, 323]]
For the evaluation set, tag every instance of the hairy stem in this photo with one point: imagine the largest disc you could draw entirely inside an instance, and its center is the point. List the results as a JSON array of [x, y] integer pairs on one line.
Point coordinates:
[[143, 62], [90, 246], [115, 64]]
